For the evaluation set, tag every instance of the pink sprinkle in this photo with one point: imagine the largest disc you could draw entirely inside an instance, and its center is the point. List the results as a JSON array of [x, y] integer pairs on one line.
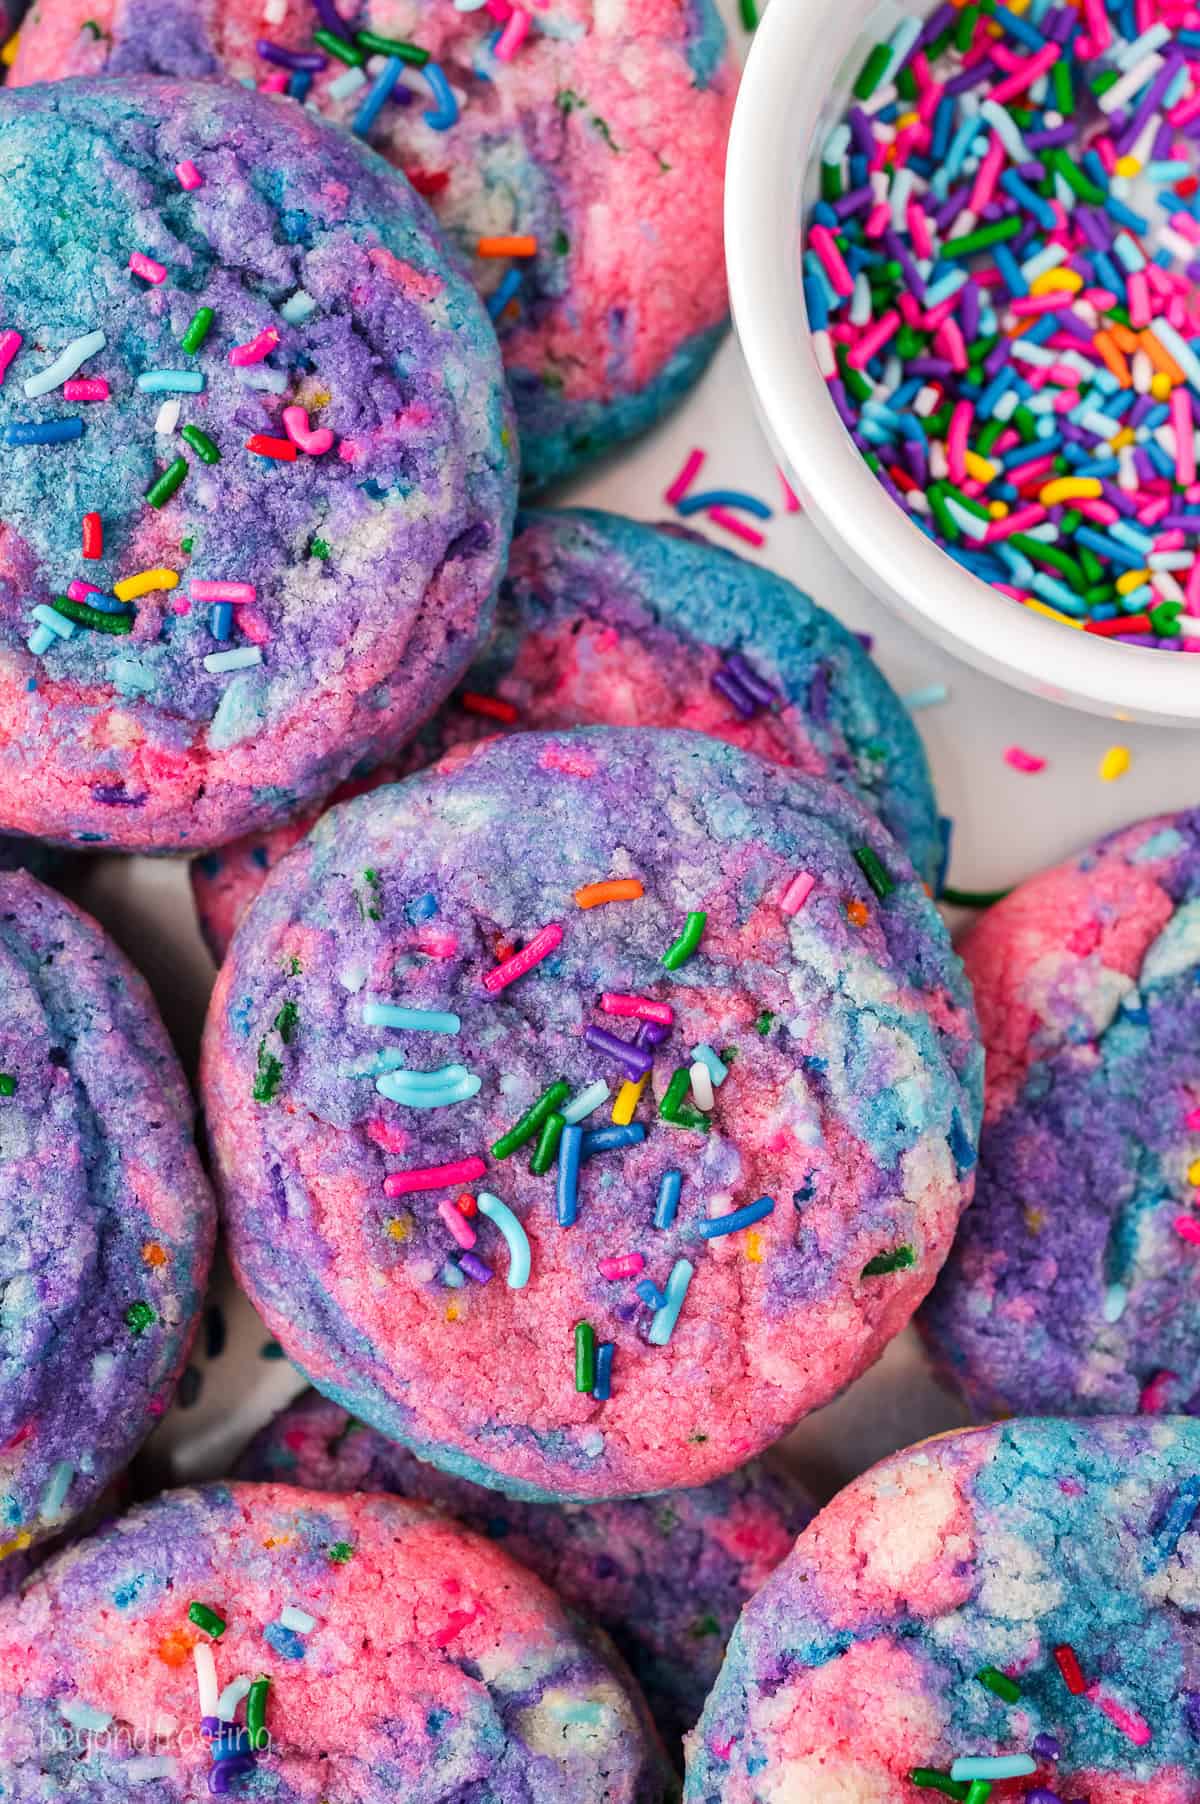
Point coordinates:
[[433, 1177], [274, 83], [918, 230], [791, 501], [85, 388], [1154, 1394], [797, 893], [147, 268], [1022, 760], [693, 464], [1038, 64], [987, 175], [10, 344], [1134, 1727], [1098, 27], [258, 347], [542, 943], [639, 1006], [457, 1223], [625, 1265], [1191, 1121], [1188, 1228], [1185, 443], [873, 339], [1020, 520], [181, 605], [513, 35], [956, 440], [78, 590], [832, 262], [189, 175], [455, 1623], [1138, 289], [949, 340], [721, 516], [313, 440], [217, 591]]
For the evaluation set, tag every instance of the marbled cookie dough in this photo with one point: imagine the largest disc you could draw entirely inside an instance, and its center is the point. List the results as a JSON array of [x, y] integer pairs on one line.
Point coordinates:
[[578, 167], [604, 621], [1012, 1609], [278, 1644], [106, 1221], [1074, 1285], [653, 1281], [666, 1576], [257, 473]]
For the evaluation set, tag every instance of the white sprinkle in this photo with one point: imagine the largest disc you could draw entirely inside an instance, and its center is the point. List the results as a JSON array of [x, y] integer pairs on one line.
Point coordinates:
[[299, 1620], [702, 1086], [56, 622], [586, 1102], [55, 1494], [298, 307], [84, 1716], [929, 697], [206, 1678], [274, 12], [271, 382], [240, 658], [132, 678], [168, 416], [1115, 1298], [65, 364], [232, 1696], [347, 84]]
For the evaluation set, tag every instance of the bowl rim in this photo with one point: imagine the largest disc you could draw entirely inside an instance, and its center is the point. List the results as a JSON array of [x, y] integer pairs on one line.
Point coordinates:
[[786, 81]]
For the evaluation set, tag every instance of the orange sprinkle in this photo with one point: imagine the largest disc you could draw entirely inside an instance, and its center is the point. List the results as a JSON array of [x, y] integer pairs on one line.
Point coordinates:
[[1124, 338], [153, 1254], [857, 913], [616, 889], [175, 1649], [1160, 358], [1112, 359], [514, 244]]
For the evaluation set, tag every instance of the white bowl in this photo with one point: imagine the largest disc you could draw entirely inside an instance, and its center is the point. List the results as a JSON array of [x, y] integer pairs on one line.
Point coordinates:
[[805, 55]]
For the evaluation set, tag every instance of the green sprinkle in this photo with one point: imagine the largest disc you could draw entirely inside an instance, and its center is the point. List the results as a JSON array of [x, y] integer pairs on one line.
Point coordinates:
[[341, 1552], [201, 444], [945, 519], [256, 1709], [964, 30], [1104, 81], [531, 1120], [1000, 1683], [562, 244], [318, 548], [295, 968], [268, 1077], [980, 240], [91, 25], [8, 1083], [1075, 178], [165, 485], [207, 1619], [831, 184], [397, 47], [547, 1147], [138, 1317], [971, 898], [1051, 556], [764, 1023], [871, 866], [748, 13], [672, 1108], [935, 1781], [898, 1260], [906, 83], [285, 1022], [271, 1349], [703, 1627], [185, 545], [339, 48], [370, 909], [683, 948], [96, 618], [979, 1791], [585, 1357], [871, 73], [197, 329]]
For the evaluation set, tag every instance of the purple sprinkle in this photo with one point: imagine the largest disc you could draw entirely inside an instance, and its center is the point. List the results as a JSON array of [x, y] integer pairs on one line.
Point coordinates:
[[854, 202], [331, 19], [1117, 497], [971, 78], [113, 796], [1191, 1713], [749, 678], [728, 685], [1047, 1747], [861, 131], [1053, 135], [1041, 1794], [221, 1774], [474, 1268], [308, 62], [653, 1033], [636, 1061]]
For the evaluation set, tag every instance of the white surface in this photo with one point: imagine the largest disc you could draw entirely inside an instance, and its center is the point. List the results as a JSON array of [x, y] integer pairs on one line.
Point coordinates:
[[1006, 825], [805, 55]]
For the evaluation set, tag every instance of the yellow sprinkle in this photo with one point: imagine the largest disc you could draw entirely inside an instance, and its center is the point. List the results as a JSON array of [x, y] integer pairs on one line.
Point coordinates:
[[1035, 1220], [1020, 7], [1160, 386], [144, 583], [1114, 763], [452, 1312], [628, 1097], [1054, 281], [754, 1247], [907, 119], [400, 1227], [1039, 607], [979, 467], [18, 1544], [1129, 166], [1194, 1172], [1126, 436], [320, 397], [8, 55], [1129, 580], [1070, 488]]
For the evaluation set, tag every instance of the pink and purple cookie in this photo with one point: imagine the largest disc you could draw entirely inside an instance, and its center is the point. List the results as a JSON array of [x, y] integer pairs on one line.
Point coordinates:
[[275, 1643], [573, 151], [588, 1112], [665, 1576], [1004, 1613], [1074, 1284], [106, 1222], [603, 621], [256, 487]]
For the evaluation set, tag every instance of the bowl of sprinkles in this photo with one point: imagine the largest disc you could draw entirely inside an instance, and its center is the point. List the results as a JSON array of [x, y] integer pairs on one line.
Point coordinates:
[[979, 351]]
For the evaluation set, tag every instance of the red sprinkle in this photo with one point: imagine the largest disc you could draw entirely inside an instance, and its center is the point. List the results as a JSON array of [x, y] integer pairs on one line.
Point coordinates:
[[93, 536], [491, 705], [1072, 1672], [466, 1202], [1124, 623], [428, 181], [263, 445]]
